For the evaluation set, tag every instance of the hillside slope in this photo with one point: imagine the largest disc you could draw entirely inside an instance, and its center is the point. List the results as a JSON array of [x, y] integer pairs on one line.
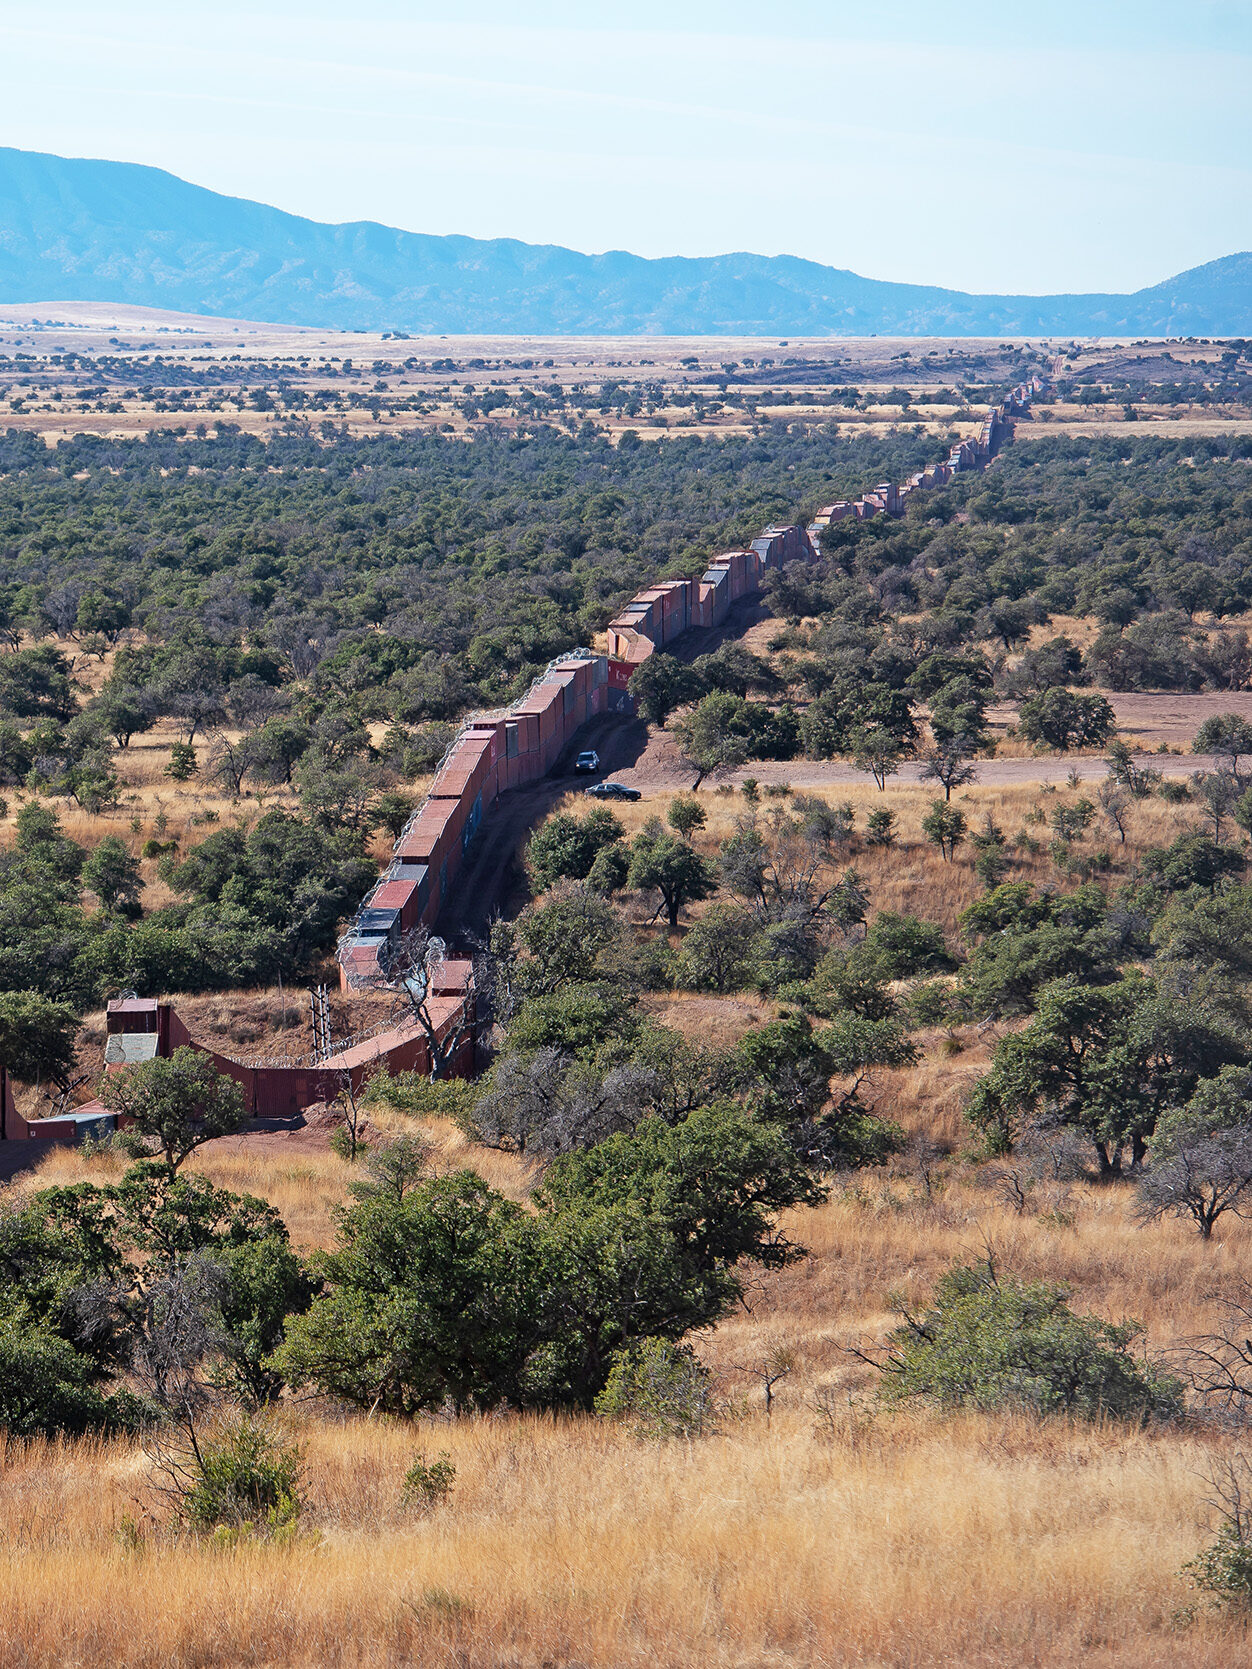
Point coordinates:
[[77, 230]]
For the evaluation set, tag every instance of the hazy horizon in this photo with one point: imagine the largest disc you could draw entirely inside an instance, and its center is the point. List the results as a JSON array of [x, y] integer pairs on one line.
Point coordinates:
[[1111, 143]]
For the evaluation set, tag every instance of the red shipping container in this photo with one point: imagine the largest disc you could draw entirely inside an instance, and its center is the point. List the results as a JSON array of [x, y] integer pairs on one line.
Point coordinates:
[[549, 717], [579, 669], [494, 731], [527, 731], [397, 895], [437, 825]]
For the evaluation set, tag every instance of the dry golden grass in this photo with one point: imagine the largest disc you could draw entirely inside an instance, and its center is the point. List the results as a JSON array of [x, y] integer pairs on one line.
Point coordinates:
[[912, 876], [297, 1171], [865, 1538], [914, 1542], [303, 1180]]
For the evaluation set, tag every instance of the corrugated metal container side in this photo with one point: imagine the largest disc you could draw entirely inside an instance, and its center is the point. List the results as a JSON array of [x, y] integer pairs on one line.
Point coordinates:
[[455, 780], [473, 748], [495, 731], [527, 732], [579, 670], [550, 718], [431, 837], [393, 895], [419, 844]]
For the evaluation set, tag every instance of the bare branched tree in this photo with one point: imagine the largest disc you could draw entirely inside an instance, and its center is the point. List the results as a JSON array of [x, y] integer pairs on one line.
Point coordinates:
[[1217, 1367], [1114, 801], [950, 763], [414, 972], [1203, 1176], [545, 1104], [769, 1370]]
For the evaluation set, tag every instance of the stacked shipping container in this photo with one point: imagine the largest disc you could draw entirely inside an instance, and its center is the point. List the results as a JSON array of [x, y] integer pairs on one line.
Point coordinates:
[[491, 756], [889, 500]]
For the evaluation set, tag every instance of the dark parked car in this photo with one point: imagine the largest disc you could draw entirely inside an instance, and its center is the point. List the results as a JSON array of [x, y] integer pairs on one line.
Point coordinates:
[[612, 791]]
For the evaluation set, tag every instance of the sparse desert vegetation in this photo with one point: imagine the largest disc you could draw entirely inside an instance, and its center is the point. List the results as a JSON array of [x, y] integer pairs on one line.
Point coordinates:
[[839, 1256]]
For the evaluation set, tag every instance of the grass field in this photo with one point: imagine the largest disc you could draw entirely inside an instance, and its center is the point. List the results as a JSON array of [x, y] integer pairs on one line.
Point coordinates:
[[831, 1533]]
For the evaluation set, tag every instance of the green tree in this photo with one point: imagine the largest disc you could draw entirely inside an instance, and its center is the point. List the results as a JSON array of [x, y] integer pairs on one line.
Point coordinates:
[[98, 612], [1228, 736], [433, 1298], [37, 1037], [276, 748], [565, 847], [785, 1068], [661, 684], [453, 1294], [183, 763], [124, 712], [114, 876], [661, 1389], [1061, 719], [49, 1389], [717, 952], [876, 750], [663, 863], [180, 1102], [566, 938], [715, 735], [686, 815], [1107, 1061], [945, 827], [40, 840], [1218, 792], [1201, 1155]]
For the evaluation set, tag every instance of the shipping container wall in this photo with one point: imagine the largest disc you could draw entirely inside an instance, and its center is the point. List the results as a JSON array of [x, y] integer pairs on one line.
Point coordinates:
[[492, 756]]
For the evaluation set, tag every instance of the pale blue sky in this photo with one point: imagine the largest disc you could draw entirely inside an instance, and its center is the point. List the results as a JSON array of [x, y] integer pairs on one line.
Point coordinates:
[[1035, 146]]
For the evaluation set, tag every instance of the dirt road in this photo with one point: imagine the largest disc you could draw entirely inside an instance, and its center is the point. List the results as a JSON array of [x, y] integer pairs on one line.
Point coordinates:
[[661, 771], [493, 879]]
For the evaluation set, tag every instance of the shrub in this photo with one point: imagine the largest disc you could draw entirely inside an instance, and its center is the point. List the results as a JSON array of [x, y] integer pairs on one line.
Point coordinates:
[[182, 762], [1192, 860], [992, 1343], [242, 1477], [428, 1484], [880, 828], [905, 946], [346, 1145], [1223, 1570], [421, 1097], [945, 827], [47, 1387], [661, 1389], [930, 1004], [565, 847]]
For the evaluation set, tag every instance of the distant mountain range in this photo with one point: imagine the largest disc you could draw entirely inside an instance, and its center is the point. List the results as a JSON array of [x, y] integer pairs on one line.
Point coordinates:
[[73, 230]]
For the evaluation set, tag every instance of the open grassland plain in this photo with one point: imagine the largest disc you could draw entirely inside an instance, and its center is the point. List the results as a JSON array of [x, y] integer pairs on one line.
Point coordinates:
[[69, 369]]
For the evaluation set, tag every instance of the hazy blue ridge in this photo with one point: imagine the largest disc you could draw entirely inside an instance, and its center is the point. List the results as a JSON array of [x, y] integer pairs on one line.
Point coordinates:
[[73, 230]]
